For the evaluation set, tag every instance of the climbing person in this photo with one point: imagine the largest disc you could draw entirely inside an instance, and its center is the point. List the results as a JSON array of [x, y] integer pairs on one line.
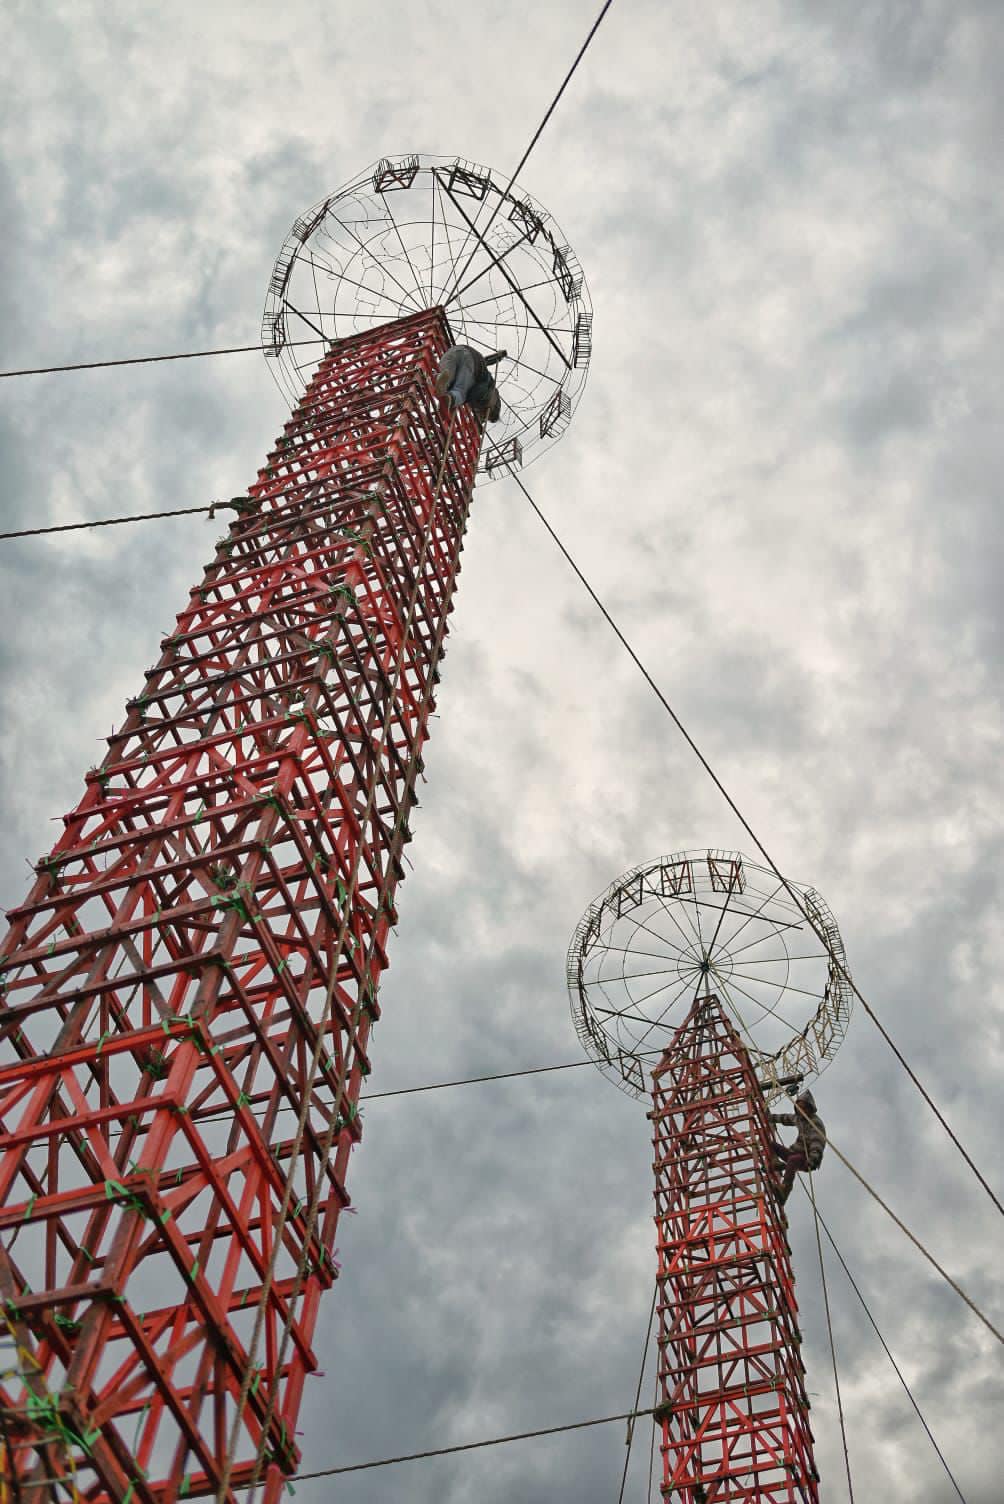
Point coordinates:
[[463, 376], [806, 1152]]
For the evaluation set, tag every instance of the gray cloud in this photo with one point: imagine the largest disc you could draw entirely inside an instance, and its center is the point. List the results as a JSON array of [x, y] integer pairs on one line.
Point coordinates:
[[784, 480]]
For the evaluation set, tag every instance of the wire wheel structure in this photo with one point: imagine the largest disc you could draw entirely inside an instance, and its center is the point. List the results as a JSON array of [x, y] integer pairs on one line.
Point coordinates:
[[708, 922], [417, 232]]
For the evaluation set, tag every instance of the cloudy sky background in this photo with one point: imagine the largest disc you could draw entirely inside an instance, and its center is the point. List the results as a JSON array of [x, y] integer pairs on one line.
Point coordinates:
[[783, 478]]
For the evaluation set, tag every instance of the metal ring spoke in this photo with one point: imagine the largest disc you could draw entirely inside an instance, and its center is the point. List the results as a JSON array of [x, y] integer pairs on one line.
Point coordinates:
[[421, 231], [711, 921]]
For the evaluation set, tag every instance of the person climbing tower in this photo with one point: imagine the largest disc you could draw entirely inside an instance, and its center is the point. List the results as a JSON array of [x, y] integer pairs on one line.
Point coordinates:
[[806, 1152], [463, 376]]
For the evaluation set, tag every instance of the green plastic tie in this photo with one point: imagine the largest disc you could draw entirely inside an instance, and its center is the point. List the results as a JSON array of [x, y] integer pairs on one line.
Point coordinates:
[[230, 901], [139, 1424]]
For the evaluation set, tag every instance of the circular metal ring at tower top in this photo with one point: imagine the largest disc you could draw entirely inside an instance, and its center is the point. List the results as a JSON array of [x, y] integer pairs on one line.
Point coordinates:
[[417, 232], [708, 921]]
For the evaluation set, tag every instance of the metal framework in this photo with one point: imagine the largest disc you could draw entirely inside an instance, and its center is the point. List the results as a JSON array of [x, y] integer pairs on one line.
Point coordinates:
[[660, 931], [732, 1402], [199, 956], [412, 232]]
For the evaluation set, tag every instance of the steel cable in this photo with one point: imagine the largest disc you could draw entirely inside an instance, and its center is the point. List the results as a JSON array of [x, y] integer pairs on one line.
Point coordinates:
[[76, 527], [637, 1393], [833, 1344], [464, 1446], [148, 360], [885, 1346], [651, 1455], [525, 157], [917, 1243], [470, 1446], [225, 1114]]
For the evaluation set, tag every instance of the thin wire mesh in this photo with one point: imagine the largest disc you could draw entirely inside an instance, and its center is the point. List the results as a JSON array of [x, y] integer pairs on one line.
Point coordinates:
[[387, 245], [698, 920]]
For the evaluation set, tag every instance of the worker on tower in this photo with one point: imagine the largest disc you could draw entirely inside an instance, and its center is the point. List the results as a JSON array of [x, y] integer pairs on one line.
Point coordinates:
[[463, 376], [806, 1153]]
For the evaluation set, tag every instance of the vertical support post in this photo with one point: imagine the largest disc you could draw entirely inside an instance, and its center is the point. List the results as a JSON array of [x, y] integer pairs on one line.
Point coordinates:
[[228, 875], [731, 1404]]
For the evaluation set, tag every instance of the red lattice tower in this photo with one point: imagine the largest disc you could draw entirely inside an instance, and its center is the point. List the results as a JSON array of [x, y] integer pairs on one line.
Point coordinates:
[[699, 961], [731, 1403], [205, 941]]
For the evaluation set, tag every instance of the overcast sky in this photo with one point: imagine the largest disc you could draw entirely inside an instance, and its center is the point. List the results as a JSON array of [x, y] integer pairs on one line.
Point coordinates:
[[784, 478]]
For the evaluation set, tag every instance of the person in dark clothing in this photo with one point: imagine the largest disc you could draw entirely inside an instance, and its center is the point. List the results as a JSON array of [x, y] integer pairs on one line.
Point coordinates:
[[806, 1152], [463, 376]]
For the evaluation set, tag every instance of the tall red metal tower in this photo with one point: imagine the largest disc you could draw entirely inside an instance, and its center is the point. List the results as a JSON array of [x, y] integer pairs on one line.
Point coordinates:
[[687, 969], [731, 1401], [190, 988], [191, 985]]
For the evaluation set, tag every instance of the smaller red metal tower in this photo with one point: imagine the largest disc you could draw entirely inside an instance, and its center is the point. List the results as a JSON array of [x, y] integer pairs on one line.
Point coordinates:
[[732, 1402]]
